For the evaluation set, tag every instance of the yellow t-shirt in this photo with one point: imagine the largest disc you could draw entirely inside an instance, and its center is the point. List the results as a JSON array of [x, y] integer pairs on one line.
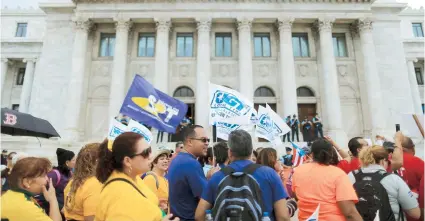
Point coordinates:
[[20, 205], [119, 201], [85, 199], [162, 190]]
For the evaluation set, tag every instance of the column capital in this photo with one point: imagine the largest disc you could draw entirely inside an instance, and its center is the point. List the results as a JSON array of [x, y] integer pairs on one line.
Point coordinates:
[[30, 60], [4, 60], [163, 24], [412, 59], [83, 24], [203, 24], [122, 24], [244, 24], [324, 24], [364, 24], [285, 23]]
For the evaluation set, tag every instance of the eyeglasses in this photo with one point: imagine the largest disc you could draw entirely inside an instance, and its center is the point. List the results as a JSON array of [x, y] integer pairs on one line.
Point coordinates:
[[203, 140], [145, 153]]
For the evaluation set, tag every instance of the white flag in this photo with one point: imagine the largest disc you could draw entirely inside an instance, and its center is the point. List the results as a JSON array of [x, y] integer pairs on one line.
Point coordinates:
[[279, 126], [377, 216], [115, 129], [136, 127], [265, 127], [315, 215]]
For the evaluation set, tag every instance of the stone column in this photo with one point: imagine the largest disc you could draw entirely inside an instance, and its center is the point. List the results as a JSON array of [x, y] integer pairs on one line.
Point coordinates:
[[288, 85], [76, 82], [4, 68], [414, 86], [27, 87], [161, 54], [246, 79], [330, 82], [119, 70], [203, 71], [371, 76]]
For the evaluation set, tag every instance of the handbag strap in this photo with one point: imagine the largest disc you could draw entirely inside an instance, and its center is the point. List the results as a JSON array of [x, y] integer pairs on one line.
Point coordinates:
[[124, 180]]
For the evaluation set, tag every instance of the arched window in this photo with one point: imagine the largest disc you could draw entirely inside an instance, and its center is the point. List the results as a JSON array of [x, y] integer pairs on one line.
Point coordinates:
[[183, 92], [263, 92], [304, 92]]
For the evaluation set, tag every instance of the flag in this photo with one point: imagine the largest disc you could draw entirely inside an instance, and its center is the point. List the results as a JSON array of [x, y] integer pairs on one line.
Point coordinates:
[[280, 128], [298, 155], [136, 127], [115, 129], [152, 107], [270, 126], [315, 215]]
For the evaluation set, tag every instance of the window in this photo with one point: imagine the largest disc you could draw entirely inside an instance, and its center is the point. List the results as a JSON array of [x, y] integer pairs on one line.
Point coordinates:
[[304, 92], [15, 107], [184, 45], [223, 45], [300, 45], [417, 30], [107, 45], [340, 47], [20, 77], [262, 45], [21, 30], [146, 45], [419, 76], [263, 92], [183, 92]]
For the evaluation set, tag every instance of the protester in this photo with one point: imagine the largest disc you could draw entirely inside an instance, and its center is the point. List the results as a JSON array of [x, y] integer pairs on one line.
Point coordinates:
[[268, 157], [294, 128], [221, 156], [270, 186], [124, 195], [82, 192], [374, 161], [4, 157], [185, 176], [318, 126], [319, 183], [355, 145], [12, 160], [29, 178], [306, 125], [287, 135], [179, 147], [155, 179], [207, 161], [254, 156], [61, 174]]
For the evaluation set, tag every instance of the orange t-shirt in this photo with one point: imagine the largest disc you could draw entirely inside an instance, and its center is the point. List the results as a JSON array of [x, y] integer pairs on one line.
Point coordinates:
[[316, 184]]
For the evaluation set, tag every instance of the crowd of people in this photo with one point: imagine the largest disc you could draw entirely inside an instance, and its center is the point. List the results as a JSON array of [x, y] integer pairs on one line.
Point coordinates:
[[229, 181], [310, 128]]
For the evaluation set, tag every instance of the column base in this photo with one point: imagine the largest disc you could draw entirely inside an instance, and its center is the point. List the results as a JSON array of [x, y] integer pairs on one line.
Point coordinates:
[[339, 136]]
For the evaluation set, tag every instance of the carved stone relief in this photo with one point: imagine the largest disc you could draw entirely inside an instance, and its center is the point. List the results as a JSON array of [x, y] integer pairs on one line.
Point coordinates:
[[184, 70], [303, 70], [143, 70], [102, 69], [264, 70], [342, 70], [224, 70]]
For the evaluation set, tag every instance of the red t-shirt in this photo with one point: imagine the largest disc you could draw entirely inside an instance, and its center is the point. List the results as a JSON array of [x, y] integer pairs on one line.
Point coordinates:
[[347, 167], [412, 171], [421, 193]]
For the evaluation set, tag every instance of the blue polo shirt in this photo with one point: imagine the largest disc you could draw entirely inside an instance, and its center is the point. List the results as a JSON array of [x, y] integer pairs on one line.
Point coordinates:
[[270, 185], [186, 181]]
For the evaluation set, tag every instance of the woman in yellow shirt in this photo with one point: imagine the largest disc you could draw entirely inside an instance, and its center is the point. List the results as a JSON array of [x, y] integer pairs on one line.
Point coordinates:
[[27, 179], [83, 190], [125, 197], [155, 179]]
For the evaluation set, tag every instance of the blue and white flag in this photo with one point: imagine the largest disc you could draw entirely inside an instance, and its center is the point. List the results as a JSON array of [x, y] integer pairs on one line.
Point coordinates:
[[315, 215], [115, 129], [279, 126], [136, 127], [152, 107], [270, 126]]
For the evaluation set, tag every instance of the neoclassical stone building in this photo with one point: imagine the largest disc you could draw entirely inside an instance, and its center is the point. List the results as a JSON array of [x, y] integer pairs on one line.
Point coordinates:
[[358, 63]]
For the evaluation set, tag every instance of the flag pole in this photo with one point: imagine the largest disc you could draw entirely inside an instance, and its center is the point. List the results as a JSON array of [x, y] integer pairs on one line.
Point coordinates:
[[418, 124]]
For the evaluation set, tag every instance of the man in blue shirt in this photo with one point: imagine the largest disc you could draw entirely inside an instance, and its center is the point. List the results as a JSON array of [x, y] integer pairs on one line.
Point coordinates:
[[294, 126], [273, 193], [288, 122], [185, 175]]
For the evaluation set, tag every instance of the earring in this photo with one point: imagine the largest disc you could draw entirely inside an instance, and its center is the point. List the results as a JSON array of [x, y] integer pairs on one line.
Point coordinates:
[[130, 169]]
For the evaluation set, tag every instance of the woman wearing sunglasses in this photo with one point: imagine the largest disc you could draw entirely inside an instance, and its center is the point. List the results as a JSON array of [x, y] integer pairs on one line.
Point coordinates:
[[124, 195]]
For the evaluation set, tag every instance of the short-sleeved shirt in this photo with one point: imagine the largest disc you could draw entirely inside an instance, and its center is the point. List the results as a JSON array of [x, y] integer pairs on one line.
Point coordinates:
[[316, 184], [84, 201], [412, 171], [269, 181], [161, 191], [17, 205], [347, 167], [120, 201], [421, 193], [186, 182], [397, 190]]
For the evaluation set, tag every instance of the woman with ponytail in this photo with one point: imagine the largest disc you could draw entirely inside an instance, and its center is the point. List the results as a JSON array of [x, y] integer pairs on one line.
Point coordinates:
[[322, 183], [374, 162], [124, 195]]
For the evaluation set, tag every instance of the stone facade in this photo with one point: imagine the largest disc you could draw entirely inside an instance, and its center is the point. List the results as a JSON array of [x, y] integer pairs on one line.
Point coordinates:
[[77, 90]]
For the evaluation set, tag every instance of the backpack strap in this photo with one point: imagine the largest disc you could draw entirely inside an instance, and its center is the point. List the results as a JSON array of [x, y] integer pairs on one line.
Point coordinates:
[[124, 180], [58, 175], [154, 176], [250, 169], [228, 170]]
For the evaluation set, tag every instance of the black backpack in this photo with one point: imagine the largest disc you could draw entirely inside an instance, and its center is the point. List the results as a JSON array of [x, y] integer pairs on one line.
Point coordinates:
[[239, 196], [372, 196]]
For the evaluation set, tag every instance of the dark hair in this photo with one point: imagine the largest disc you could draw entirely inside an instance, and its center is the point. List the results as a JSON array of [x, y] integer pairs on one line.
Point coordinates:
[[353, 145], [267, 157], [323, 152], [221, 152], [240, 144], [123, 146], [29, 167], [63, 156], [155, 161], [408, 143], [255, 153], [189, 131], [179, 143]]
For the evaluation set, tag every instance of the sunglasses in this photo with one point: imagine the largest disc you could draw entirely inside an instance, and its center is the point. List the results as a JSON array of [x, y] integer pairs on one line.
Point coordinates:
[[145, 153], [203, 140]]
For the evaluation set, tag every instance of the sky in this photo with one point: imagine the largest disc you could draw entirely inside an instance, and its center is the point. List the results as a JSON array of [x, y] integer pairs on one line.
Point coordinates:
[[34, 3]]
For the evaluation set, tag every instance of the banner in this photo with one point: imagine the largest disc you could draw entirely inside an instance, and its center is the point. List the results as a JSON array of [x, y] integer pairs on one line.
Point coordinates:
[[270, 126], [279, 126], [152, 107], [228, 106], [136, 127]]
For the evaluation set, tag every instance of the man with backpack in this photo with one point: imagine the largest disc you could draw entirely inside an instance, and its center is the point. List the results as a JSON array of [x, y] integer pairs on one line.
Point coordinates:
[[243, 190]]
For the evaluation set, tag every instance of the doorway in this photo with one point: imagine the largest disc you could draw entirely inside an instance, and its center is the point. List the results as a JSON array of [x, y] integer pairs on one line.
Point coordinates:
[[308, 110], [190, 114]]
